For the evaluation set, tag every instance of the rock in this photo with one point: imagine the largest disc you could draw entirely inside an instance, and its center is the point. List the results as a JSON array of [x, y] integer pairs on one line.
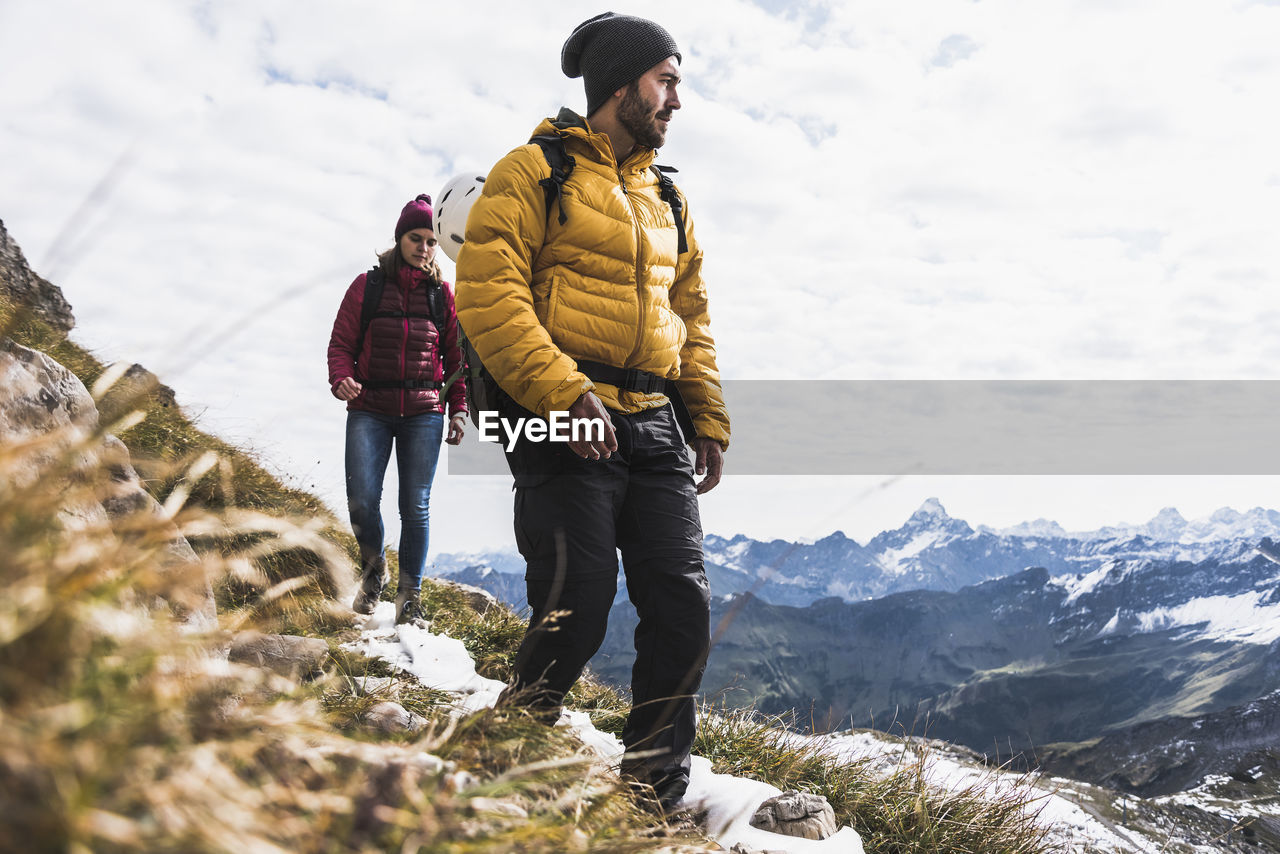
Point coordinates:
[[392, 718], [126, 497], [363, 686], [40, 399], [44, 404], [289, 655], [24, 288], [739, 848], [477, 600], [799, 814], [134, 389]]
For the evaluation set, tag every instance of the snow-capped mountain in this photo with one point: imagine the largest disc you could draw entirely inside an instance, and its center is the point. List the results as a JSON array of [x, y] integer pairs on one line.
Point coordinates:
[[934, 551], [1169, 526], [998, 640], [1019, 662]]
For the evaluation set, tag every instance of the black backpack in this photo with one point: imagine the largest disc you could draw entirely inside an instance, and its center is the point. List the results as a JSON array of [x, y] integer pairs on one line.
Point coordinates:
[[483, 391], [374, 283]]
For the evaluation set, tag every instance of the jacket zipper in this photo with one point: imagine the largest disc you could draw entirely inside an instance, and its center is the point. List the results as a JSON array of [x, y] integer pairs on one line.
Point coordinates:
[[635, 347]]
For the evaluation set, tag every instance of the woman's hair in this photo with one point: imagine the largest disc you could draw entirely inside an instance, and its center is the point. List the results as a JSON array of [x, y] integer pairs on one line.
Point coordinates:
[[391, 261]]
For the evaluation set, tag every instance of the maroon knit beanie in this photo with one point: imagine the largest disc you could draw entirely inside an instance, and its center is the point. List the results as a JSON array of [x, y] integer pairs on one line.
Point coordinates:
[[416, 214]]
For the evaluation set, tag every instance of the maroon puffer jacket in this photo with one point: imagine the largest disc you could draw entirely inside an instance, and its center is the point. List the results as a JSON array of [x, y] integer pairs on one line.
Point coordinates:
[[397, 348]]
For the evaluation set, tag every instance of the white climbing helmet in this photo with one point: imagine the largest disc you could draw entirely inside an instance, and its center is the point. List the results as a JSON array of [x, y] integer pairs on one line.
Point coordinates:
[[452, 206]]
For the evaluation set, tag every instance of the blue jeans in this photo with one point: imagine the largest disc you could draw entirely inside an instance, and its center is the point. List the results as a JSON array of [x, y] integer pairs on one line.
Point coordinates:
[[370, 436]]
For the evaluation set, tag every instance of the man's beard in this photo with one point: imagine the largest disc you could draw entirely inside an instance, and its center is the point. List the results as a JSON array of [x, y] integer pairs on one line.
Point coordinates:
[[637, 116]]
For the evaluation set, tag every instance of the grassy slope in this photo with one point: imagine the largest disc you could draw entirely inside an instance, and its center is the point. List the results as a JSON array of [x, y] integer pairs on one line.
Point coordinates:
[[116, 734]]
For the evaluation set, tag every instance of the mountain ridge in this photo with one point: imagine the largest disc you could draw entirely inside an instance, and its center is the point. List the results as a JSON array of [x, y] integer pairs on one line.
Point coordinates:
[[1086, 638], [934, 551]]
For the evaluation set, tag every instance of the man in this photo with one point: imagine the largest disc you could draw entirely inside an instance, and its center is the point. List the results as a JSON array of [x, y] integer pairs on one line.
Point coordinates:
[[590, 308]]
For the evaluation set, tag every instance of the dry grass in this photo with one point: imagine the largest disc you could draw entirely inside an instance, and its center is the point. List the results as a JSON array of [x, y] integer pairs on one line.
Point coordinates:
[[123, 727], [895, 813]]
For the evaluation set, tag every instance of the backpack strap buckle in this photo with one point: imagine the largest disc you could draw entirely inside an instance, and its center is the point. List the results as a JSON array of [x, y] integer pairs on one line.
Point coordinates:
[[644, 382]]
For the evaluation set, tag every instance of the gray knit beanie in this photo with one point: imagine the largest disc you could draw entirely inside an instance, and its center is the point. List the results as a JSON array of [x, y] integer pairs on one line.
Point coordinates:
[[609, 51]]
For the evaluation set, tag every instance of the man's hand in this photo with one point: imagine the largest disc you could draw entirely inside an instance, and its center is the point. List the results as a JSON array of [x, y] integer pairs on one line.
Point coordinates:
[[708, 460], [348, 389], [457, 427], [589, 407]]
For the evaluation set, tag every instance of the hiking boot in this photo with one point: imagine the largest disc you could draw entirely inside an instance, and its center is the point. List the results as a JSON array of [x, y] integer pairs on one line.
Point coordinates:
[[409, 608], [664, 800], [527, 700], [683, 823], [371, 584]]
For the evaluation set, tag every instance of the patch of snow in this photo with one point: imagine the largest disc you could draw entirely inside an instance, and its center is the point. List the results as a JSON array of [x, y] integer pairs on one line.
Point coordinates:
[[606, 745], [1242, 618], [794, 580], [437, 661], [1040, 528], [1078, 585], [441, 662], [1204, 797], [930, 507], [1069, 825], [730, 803], [891, 559], [1168, 526], [732, 555]]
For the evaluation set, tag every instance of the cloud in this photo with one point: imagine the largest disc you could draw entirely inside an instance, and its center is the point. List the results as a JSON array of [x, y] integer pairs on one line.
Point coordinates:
[[954, 48], [883, 191]]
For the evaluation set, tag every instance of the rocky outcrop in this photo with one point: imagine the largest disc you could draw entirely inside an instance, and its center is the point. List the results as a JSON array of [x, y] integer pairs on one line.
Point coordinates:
[[134, 386], [479, 601], [24, 288], [45, 412], [1177, 753], [48, 426]]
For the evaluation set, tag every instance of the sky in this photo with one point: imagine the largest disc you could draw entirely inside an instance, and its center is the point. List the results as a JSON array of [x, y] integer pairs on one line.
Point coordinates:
[[936, 190]]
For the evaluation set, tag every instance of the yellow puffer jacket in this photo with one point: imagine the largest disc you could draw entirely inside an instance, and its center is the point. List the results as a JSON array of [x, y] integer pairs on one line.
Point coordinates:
[[607, 286]]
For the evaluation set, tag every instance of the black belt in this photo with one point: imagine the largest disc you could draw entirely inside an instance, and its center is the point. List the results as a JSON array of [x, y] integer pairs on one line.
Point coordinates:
[[632, 379], [412, 385], [646, 383]]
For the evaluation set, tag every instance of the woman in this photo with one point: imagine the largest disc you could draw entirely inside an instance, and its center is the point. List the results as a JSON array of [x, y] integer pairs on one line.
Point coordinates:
[[391, 361]]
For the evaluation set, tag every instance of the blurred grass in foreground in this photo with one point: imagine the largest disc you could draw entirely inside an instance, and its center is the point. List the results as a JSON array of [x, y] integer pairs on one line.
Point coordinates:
[[122, 728]]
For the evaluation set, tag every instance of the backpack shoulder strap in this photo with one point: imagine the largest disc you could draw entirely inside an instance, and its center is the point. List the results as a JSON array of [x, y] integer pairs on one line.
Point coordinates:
[[561, 163], [374, 282], [435, 305], [667, 190]]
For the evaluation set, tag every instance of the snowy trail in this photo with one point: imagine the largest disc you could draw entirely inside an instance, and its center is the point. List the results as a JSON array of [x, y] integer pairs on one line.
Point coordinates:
[[441, 662]]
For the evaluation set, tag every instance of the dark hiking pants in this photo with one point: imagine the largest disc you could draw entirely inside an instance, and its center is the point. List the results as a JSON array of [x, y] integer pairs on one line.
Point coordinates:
[[571, 517]]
